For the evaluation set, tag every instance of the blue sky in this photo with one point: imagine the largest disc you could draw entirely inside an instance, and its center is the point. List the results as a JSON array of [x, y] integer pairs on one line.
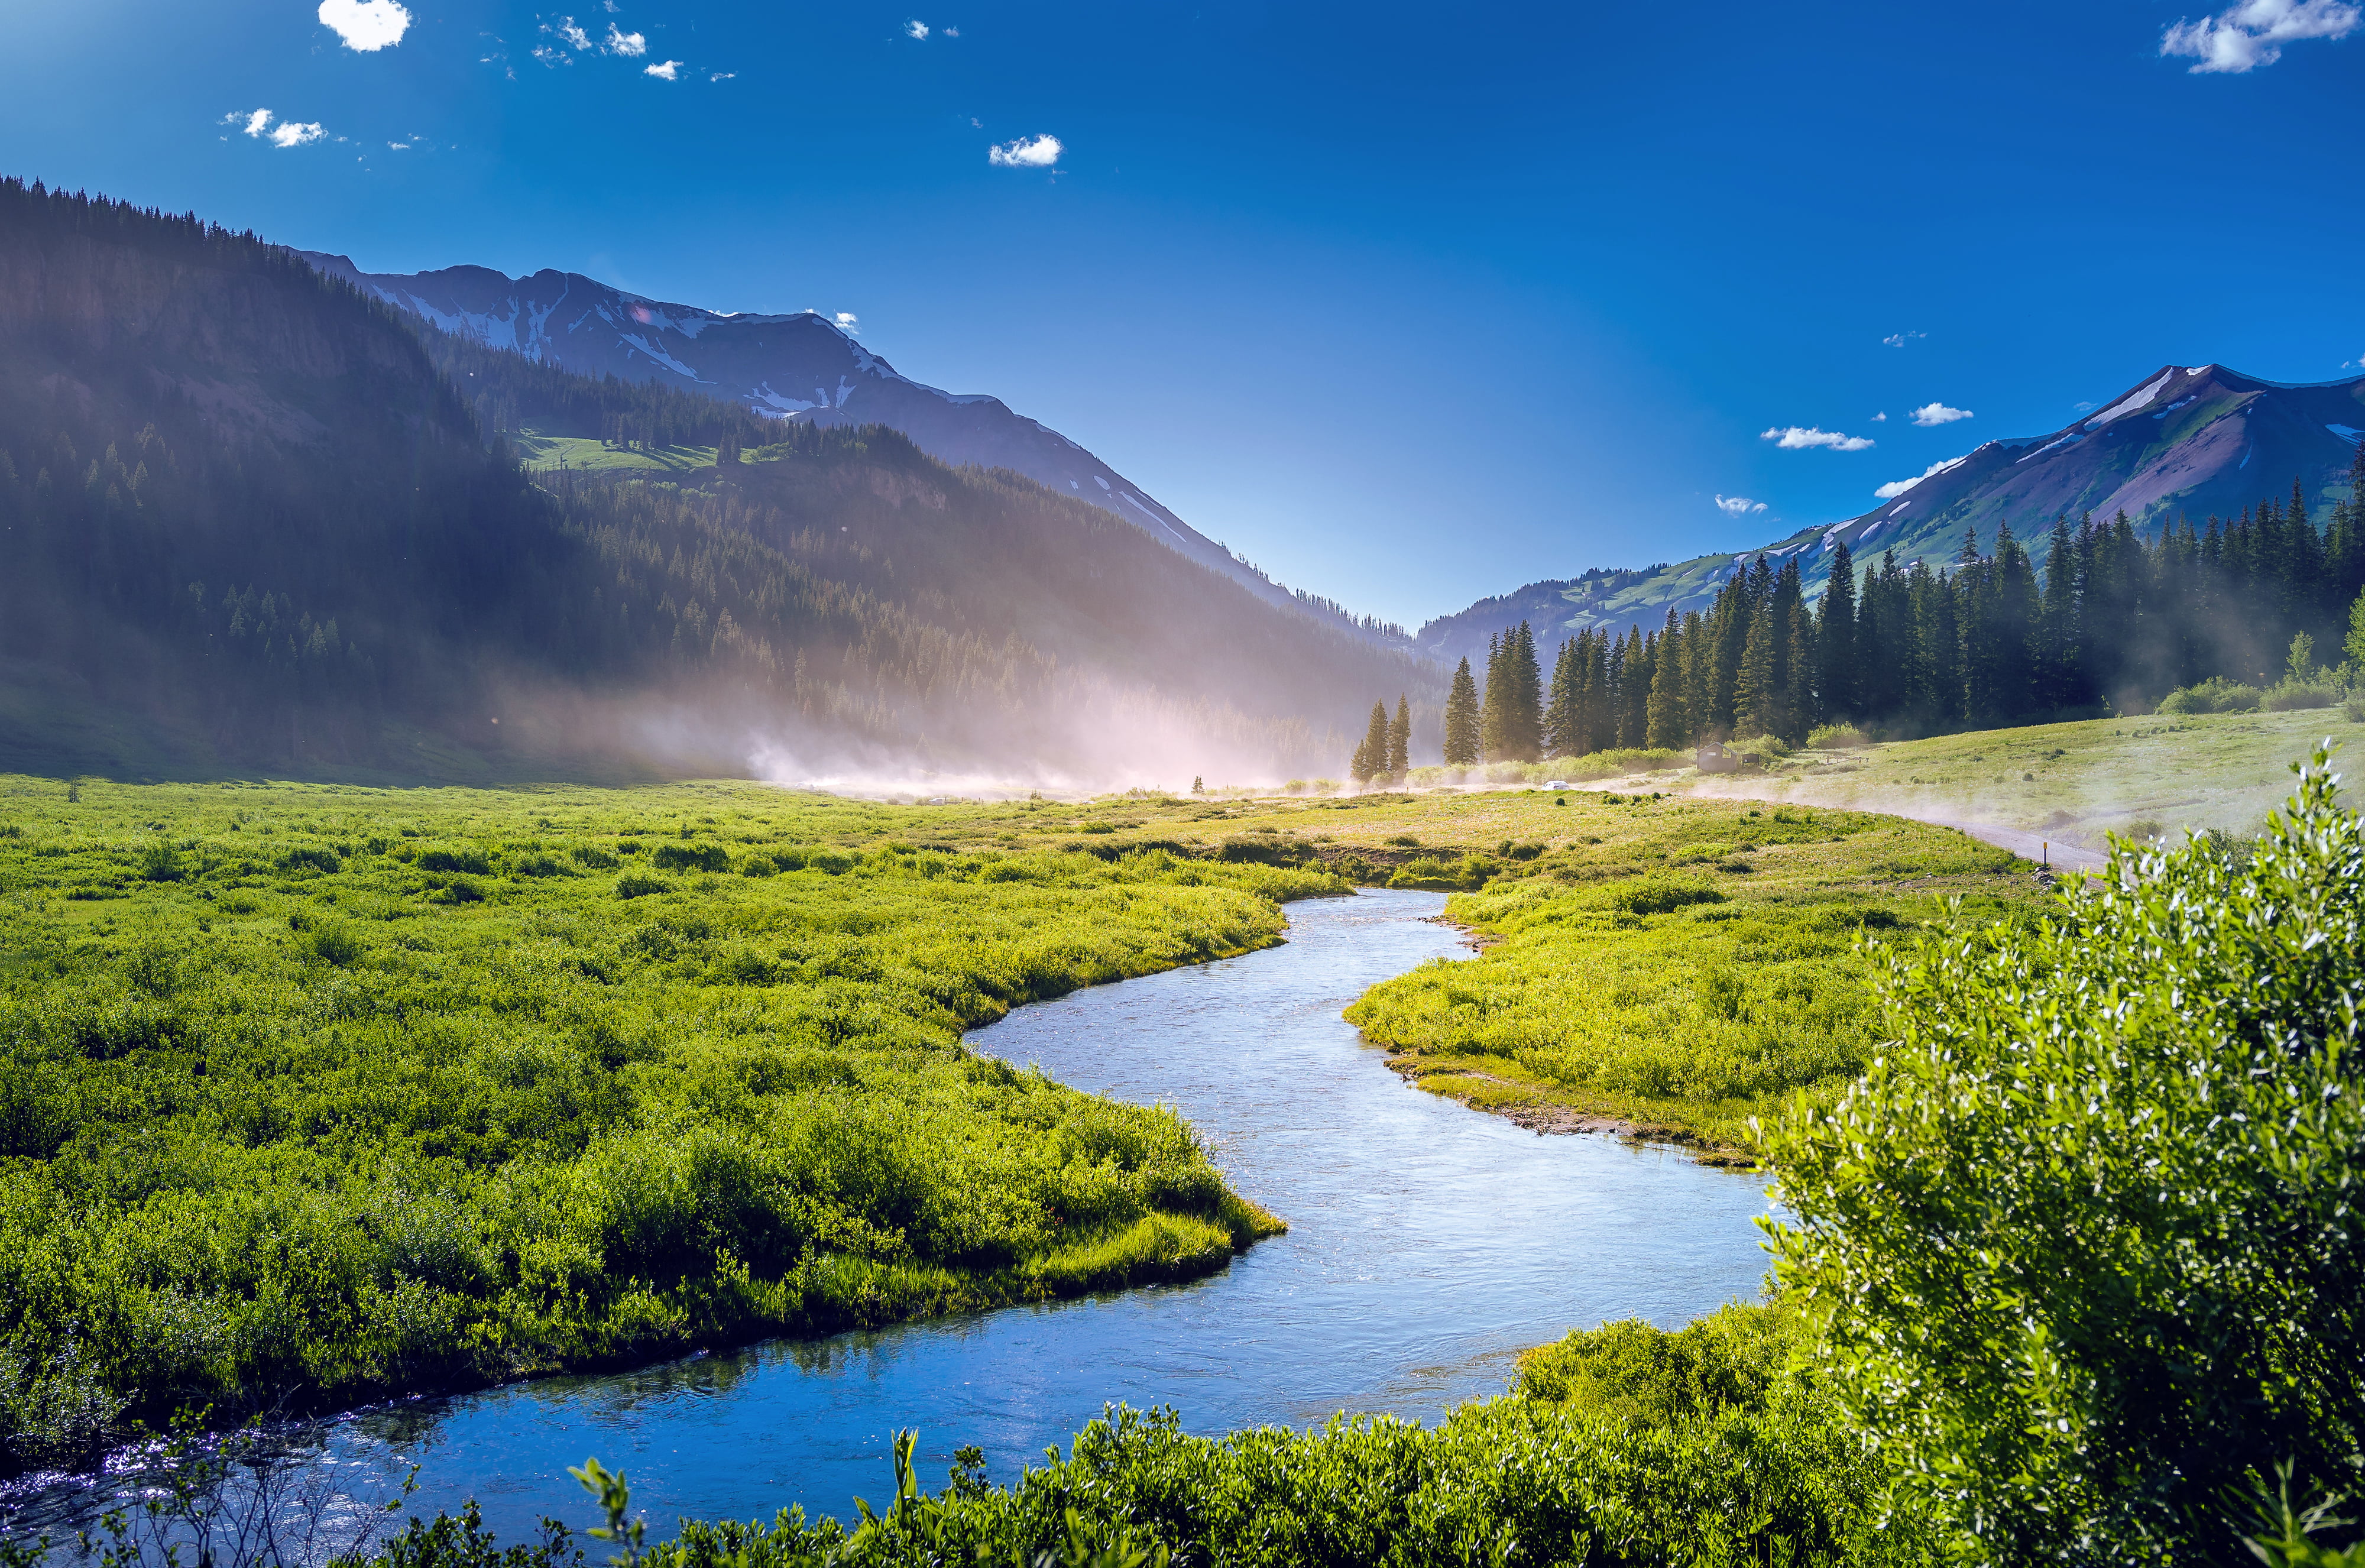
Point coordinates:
[[1409, 305]]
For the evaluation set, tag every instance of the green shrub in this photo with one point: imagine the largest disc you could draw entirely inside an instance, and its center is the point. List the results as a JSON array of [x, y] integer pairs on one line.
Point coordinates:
[[537, 864], [160, 862], [1659, 892], [690, 856], [323, 861], [2087, 1239], [591, 858], [639, 884], [1836, 737], [2215, 695], [335, 945], [2290, 694], [465, 859]]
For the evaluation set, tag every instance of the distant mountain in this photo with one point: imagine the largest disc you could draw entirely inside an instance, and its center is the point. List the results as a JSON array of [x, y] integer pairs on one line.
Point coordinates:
[[248, 520], [2180, 442], [803, 368]]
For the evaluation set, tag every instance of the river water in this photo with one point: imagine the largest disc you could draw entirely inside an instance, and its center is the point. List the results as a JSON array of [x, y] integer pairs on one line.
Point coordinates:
[[1428, 1244]]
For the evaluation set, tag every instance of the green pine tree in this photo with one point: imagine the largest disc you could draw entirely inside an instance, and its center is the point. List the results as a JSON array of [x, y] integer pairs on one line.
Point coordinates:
[[1400, 739], [1462, 718]]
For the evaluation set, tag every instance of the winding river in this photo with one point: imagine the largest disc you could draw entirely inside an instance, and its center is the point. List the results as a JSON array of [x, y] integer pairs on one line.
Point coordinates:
[[1428, 1244]]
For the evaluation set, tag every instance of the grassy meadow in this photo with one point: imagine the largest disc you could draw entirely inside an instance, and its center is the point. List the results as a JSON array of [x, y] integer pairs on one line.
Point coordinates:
[[317, 1091], [2077, 782], [313, 1093], [1678, 967]]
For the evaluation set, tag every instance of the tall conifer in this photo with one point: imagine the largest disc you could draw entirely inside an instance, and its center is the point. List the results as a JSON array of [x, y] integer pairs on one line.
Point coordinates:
[[1400, 739], [1461, 719]]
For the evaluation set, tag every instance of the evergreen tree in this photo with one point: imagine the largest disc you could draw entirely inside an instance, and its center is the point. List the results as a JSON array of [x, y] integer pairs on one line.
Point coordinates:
[[1494, 702], [1665, 724], [1521, 734], [1462, 718], [1835, 647], [1400, 739], [1372, 757], [1564, 722], [1756, 703]]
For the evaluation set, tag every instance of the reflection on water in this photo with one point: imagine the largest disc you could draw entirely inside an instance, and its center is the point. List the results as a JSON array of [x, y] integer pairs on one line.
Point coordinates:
[[1428, 1245]]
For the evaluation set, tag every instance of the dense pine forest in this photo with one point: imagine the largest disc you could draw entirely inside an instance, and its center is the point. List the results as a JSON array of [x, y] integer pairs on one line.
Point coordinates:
[[243, 502], [2109, 622]]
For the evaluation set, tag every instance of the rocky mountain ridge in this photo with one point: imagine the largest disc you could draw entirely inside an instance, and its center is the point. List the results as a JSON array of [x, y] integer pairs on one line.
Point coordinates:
[[2183, 441]]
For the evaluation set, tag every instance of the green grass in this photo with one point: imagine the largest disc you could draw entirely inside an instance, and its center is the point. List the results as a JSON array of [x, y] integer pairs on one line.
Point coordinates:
[[2079, 782], [317, 1093], [1677, 969], [581, 452]]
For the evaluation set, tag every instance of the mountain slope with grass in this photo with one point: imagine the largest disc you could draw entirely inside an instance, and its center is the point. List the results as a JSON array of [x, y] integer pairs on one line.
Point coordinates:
[[803, 368], [249, 517], [2181, 443]]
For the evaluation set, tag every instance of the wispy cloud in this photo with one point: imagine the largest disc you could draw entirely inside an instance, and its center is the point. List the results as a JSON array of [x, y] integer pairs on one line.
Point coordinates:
[[1898, 339], [848, 322], [1930, 414], [916, 29], [563, 34], [1737, 505], [624, 43], [1799, 437], [2252, 34], [1880, 418], [1897, 487], [1026, 152], [663, 70], [365, 24]]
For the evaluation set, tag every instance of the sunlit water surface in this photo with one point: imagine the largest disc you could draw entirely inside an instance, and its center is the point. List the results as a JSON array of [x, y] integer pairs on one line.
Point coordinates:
[[1428, 1245]]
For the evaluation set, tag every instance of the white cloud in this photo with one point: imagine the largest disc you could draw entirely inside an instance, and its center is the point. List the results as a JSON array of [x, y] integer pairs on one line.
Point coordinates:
[[1026, 152], [1737, 505], [916, 29], [722, 75], [663, 70], [1898, 339], [1797, 438], [2252, 34], [2084, 407], [1930, 414], [1880, 418], [847, 323], [952, 32], [1897, 487], [622, 42], [365, 24], [398, 146], [286, 133]]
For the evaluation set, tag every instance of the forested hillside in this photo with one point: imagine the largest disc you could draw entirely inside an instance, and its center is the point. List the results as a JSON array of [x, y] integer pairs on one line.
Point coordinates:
[[245, 504], [1988, 640]]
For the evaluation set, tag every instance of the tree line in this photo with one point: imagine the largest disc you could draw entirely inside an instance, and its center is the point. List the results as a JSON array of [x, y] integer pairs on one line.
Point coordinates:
[[2111, 621]]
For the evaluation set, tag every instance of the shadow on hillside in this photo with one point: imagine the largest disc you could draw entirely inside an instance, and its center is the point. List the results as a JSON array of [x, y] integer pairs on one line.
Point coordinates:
[[52, 726]]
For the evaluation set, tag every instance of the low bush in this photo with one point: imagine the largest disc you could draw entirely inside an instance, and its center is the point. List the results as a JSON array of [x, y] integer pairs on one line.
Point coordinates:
[[1836, 737], [2290, 695], [2215, 695], [691, 858], [639, 884]]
